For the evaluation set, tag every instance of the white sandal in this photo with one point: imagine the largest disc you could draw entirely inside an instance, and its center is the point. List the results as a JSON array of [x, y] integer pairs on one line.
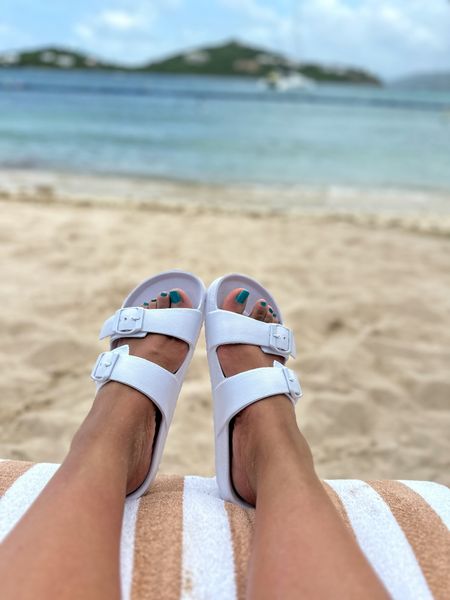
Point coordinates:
[[155, 382], [233, 394]]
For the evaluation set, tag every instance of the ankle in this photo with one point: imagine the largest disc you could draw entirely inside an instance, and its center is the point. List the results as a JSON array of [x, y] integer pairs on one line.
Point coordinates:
[[117, 433], [117, 417], [267, 444]]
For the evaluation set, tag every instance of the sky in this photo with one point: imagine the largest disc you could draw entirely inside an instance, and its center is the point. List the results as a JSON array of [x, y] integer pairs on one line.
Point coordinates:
[[387, 37]]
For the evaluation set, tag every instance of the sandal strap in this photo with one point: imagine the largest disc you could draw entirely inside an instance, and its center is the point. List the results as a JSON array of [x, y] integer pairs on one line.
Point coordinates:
[[235, 393], [158, 384], [226, 327], [136, 321]]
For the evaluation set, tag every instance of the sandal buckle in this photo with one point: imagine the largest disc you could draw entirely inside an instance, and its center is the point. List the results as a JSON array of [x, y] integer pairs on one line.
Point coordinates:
[[294, 387], [280, 339], [129, 321], [104, 366]]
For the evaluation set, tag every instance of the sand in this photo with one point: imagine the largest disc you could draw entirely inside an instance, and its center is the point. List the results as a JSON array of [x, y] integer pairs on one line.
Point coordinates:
[[369, 301]]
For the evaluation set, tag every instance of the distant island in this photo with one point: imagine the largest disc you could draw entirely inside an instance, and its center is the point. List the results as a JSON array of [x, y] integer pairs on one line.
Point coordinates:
[[229, 59], [437, 81]]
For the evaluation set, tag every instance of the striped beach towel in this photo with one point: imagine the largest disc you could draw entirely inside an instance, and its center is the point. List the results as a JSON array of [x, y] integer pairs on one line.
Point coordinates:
[[181, 541]]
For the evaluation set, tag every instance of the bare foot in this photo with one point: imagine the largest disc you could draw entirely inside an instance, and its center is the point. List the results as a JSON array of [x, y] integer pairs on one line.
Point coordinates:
[[124, 412], [265, 426]]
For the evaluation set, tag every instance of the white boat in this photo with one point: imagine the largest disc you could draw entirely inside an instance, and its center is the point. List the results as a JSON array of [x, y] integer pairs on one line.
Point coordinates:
[[282, 82]]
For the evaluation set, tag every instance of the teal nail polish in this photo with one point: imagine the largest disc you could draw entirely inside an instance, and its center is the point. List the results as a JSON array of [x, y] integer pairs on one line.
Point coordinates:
[[163, 294], [175, 296], [242, 296], [274, 315], [146, 304], [263, 303], [154, 299], [271, 311]]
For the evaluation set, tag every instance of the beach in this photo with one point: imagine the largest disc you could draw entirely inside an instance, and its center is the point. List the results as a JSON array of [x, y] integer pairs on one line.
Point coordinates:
[[367, 294]]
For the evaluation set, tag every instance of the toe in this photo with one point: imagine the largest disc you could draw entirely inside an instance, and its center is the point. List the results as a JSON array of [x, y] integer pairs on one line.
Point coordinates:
[[269, 315], [163, 300], [179, 299], [236, 300], [153, 303], [259, 311]]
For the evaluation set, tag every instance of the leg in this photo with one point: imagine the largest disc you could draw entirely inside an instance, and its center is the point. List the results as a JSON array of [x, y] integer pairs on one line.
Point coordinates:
[[301, 548], [67, 545]]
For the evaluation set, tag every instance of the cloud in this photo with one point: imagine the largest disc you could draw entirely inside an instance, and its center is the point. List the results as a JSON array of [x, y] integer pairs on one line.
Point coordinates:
[[128, 31], [388, 36], [126, 17], [254, 10], [120, 20]]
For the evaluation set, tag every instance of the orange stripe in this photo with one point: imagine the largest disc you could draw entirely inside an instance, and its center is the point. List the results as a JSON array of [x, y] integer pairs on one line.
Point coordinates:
[[425, 530], [159, 541], [242, 523], [10, 470]]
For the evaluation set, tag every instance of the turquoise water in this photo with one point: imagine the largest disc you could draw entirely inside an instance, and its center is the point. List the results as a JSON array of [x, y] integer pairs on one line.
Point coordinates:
[[224, 130]]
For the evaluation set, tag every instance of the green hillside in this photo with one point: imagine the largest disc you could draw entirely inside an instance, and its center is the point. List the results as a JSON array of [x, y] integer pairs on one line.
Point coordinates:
[[230, 59], [53, 58], [234, 58], [320, 73]]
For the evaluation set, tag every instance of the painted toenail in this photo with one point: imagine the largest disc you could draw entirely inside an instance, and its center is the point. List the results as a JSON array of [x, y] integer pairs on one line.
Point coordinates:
[[163, 294], [153, 299], [263, 303], [271, 311], [175, 296], [146, 303], [274, 315], [242, 296]]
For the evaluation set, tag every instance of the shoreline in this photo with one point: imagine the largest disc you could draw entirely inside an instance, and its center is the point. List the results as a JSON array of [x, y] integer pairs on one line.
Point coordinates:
[[411, 210]]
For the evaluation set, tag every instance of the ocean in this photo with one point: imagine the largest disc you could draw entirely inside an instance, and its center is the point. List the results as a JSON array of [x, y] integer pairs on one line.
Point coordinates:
[[224, 130]]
